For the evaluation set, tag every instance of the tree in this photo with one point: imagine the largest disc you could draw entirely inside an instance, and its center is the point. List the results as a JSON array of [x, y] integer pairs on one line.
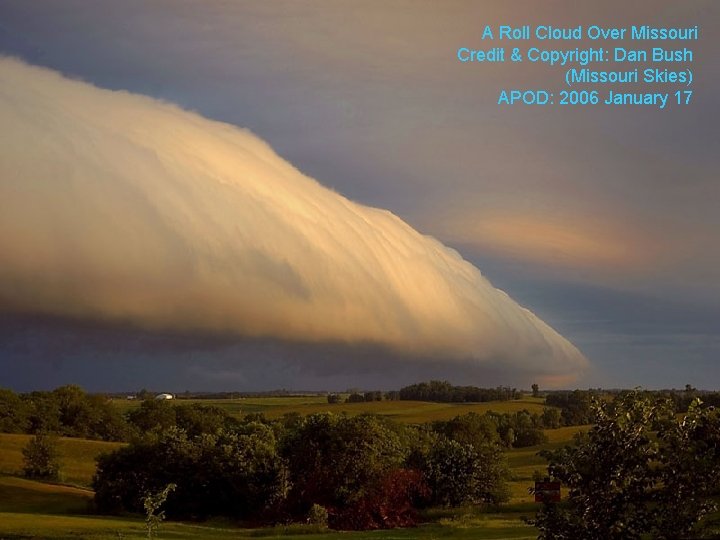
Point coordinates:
[[41, 458], [335, 461], [470, 428], [444, 392], [626, 482], [318, 516], [459, 474], [390, 503], [575, 406], [608, 474], [690, 471], [43, 412], [13, 413], [67, 410], [535, 390], [235, 473], [152, 503], [197, 419], [550, 418], [153, 416]]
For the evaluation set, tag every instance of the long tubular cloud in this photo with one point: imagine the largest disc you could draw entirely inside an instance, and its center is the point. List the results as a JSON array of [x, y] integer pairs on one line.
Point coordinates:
[[119, 207]]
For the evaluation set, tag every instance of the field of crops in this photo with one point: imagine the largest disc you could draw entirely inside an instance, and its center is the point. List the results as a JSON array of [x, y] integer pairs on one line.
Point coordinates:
[[31, 509]]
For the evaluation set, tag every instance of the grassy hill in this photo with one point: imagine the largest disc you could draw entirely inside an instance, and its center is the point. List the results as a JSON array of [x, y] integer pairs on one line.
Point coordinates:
[[31, 509], [77, 457], [523, 462]]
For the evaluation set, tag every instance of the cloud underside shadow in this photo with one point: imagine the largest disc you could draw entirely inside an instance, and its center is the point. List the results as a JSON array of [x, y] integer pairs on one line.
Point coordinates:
[[126, 210]]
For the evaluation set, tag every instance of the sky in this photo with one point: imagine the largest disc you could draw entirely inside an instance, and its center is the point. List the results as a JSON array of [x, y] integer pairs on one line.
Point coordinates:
[[602, 222]]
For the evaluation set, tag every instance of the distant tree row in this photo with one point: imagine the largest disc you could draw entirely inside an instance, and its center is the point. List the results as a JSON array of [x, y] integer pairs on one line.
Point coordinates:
[[444, 392], [576, 406], [71, 412], [359, 397], [360, 472], [682, 399], [438, 391], [67, 410]]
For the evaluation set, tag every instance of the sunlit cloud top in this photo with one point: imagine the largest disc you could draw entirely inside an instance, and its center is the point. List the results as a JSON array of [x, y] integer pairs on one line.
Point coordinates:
[[119, 207]]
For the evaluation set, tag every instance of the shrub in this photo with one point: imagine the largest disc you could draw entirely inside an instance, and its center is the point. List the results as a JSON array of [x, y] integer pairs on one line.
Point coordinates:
[[40, 458], [389, 504], [318, 516]]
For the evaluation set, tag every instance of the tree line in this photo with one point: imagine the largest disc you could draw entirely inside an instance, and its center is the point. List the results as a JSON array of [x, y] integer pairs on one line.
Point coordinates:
[[576, 406], [365, 471], [436, 391], [444, 392], [69, 411]]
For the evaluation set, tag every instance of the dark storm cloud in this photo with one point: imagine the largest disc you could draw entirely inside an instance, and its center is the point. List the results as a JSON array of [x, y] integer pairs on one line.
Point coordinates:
[[121, 208], [43, 352], [366, 97]]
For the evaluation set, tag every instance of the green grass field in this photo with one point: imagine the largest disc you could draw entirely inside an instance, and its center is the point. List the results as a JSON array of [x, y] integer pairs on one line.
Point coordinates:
[[402, 411], [31, 509], [482, 527], [523, 462], [77, 457]]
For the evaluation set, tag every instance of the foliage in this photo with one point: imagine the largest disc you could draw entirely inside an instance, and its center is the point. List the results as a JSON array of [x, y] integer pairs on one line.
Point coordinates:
[[13, 413], [153, 416], [460, 474], [390, 503], [152, 503], [471, 428], [88, 416], [196, 419], [67, 410], [575, 406], [336, 460], [43, 412], [690, 471], [444, 392], [512, 430], [40, 458], [366, 471], [626, 482], [231, 473], [550, 418], [357, 468], [318, 515], [520, 429]]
